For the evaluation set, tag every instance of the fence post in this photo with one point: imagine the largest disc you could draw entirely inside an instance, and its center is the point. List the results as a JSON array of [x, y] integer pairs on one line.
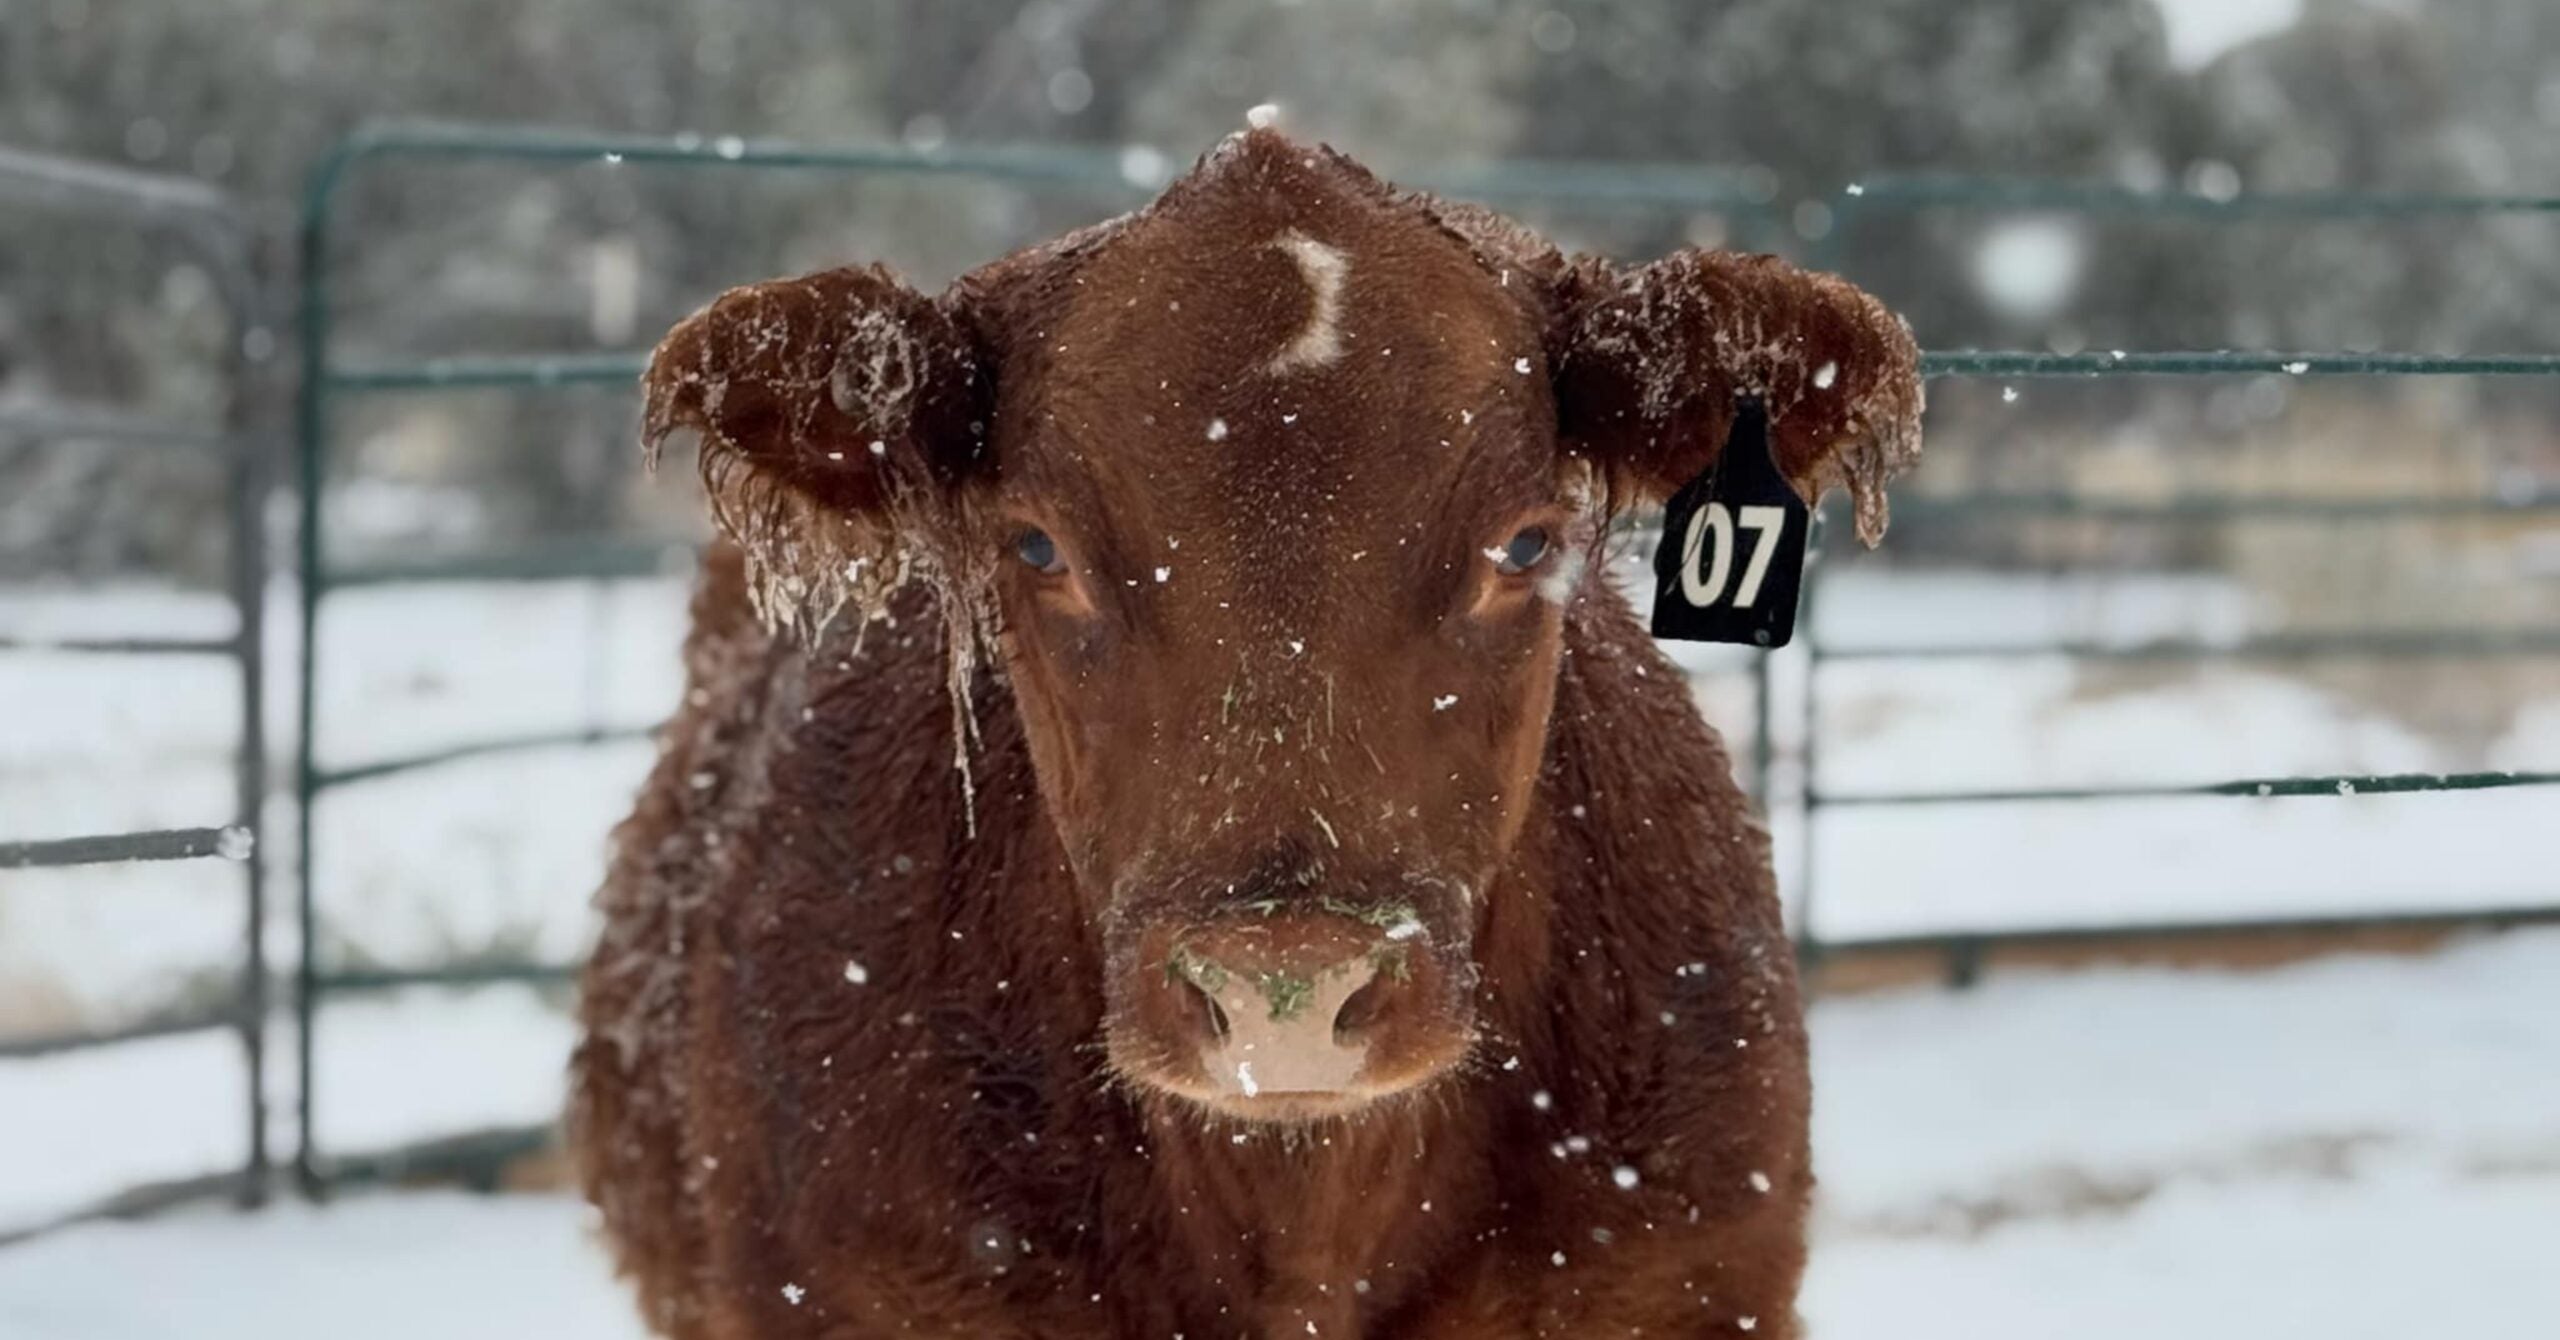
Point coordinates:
[[311, 475], [251, 341]]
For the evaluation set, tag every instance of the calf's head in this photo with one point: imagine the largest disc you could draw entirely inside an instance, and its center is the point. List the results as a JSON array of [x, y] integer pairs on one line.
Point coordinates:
[[1267, 500]]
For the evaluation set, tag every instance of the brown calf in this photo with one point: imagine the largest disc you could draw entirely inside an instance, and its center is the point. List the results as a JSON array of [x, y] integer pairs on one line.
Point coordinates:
[[1338, 921]]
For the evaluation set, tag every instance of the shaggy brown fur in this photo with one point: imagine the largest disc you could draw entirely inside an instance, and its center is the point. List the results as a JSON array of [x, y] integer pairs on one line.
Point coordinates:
[[877, 1045]]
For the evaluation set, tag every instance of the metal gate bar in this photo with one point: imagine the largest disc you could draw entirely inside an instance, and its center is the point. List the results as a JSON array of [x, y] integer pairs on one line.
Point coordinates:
[[216, 234], [1605, 188], [1907, 193]]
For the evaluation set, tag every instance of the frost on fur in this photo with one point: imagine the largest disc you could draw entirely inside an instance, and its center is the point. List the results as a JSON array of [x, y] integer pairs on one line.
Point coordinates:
[[1653, 361], [836, 414], [831, 409]]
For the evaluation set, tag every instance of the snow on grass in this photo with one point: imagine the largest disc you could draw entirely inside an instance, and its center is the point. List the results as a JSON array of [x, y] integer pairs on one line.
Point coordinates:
[[1876, 605], [98, 709], [419, 1267], [424, 667], [1975, 725], [2394, 1254], [491, 858], [2357, 1148], [427, 1061], [2018, 1095], [395, 1068], [96, 947], [79, 1127], [1915, 869]]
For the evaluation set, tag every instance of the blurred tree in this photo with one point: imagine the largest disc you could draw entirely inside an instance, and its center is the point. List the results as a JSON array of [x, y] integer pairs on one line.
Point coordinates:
[[2463, 98], [1414, 82], [1820, 93], [1825, 91], [1804, 94]]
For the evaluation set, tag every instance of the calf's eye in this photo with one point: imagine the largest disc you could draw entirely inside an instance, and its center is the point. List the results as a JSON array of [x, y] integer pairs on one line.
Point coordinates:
[[1035, 548], [1523, 550]]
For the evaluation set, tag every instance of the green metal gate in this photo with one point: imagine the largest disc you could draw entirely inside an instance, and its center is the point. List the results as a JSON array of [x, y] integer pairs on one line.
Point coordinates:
[[325, 383], [1756, 220], [213, 232], [1867, 201]]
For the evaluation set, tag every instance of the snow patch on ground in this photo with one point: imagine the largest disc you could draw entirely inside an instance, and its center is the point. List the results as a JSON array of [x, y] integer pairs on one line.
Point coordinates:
[[79, 1127], [395, 1069], [2008, 1097], [2395, 1253], [2363, 1147], [418, 1267]]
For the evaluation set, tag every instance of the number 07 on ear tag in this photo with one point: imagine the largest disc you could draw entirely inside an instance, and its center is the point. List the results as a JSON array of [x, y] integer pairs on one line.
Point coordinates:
[[1731, 561]]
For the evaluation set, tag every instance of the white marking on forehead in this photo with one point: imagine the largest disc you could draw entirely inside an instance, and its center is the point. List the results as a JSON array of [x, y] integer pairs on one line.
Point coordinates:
[[1325, 268]]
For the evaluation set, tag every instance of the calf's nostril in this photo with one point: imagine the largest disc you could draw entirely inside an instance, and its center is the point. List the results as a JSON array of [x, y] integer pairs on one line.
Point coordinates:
[[1195, 1002], [1217, 1013], [1276, 1007], [1359, 1011]]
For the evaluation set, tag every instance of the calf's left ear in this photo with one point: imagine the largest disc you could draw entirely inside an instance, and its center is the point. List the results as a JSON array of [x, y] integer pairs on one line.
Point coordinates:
[[837, 413], [1651, 363]]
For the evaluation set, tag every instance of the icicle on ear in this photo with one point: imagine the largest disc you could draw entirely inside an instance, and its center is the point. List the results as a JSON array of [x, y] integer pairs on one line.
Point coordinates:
[[1652, 363], [834, 412]]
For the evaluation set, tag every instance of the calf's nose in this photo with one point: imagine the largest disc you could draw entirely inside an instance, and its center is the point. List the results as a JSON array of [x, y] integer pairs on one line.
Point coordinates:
[[1286, 1010]]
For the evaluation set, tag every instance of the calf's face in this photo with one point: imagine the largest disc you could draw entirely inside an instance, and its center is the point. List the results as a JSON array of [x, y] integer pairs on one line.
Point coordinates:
[[1268, 499], [1285, 529]]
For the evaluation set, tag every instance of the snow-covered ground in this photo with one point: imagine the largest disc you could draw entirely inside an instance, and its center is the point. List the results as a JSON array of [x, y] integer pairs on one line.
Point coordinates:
[[2347, 1149]]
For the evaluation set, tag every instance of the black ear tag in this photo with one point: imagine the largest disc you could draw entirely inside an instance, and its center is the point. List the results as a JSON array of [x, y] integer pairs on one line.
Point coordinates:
[[1731, 561]]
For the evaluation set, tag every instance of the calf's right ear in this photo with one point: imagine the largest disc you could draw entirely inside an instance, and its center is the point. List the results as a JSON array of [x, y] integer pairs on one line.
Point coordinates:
[[1653, 363], [838, 413]]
